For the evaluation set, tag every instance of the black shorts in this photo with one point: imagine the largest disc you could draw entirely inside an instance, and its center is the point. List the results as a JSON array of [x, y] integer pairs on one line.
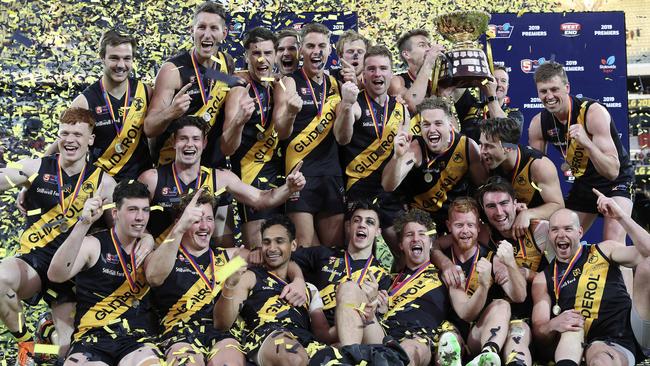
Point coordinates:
[[51, 292], [403, 331], [254, 339], [99, 346], [204, 336], [581, 198], [390, 206], [321, 194], [248, 213]]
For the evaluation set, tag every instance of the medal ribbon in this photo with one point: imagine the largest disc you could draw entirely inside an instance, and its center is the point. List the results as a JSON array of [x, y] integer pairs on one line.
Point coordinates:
[[379, 126], [364, 271], [258, 98], [556, 284], [205, 93], [59, 184], [179, 183], [107, 100], [118, 248], [471, 270], [522, 248], [313, 95], [397, 286], [566, 136], [204, 277], [514, 172], [426, 151], [277, 278]]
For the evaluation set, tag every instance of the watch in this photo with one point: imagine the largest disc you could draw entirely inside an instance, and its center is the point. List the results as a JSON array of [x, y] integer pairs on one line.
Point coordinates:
[[491, 99]]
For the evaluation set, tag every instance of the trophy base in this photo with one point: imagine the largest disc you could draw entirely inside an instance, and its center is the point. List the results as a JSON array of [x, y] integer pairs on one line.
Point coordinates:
[[464, 68]]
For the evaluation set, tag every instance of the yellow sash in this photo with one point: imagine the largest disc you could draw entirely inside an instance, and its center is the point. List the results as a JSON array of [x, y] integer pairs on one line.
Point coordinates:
[[591, 286], [129, 138], [309, 138], [42, 232], [193, 300], [259, 154], [457, 167], [212, 107], [413, 290], [369, 160], [328, 293], [577, 156], [524, 191], [415, 125], [533, 256], [111, 308]]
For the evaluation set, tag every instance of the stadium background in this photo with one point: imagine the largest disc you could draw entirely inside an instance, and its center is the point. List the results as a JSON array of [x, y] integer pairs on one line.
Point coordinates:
[[48, 55]]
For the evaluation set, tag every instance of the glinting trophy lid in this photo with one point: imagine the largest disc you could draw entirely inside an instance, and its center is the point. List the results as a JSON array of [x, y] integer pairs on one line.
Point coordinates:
[[462, 26]]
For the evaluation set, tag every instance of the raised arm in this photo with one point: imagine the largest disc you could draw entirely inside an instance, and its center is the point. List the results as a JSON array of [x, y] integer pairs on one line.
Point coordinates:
[[609, 208], [535, 137], [238, 110], [166, 103], [347, 112], [233, 294], [286, 105], [515, 287], [468, 307], [406, 155], [601, 148]]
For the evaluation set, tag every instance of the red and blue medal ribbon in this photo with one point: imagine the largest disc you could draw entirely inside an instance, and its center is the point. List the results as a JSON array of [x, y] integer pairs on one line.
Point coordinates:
[[572, 263], [378, 125], [205, 93], [130, 277], [263, 113], [179, 184], [313, 95], [107, 100], [59, 184], [471, 270], [197, 268], [397, 286], [364, 271]]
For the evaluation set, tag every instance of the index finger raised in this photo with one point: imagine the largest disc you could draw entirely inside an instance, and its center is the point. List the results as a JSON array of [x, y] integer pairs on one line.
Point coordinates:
[[597, 192], [297, 167], [184, 89]]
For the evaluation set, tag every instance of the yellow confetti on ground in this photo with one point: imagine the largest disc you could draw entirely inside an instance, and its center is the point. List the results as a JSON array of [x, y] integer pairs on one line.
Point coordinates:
[[34, 212], [50, 349]]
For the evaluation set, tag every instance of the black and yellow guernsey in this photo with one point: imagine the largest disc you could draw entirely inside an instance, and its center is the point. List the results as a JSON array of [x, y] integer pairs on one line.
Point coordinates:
[[112, 298], [312, 139], [371, 147], [186, 297], [471, 282], [264, 312], [326, 268], [418, 303], [120, 146], [49, 229], [168, 192], [584, 171], [256, 160], [521, 177], [440, 178], [527, 255], [593, 285], [207, 99]]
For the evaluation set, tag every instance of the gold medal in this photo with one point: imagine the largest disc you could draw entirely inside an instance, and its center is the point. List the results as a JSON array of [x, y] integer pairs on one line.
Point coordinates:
[[565, 167], [64, 227], [136, 303], [260, 136], [320, 128], [118, 148], [207, 116], [556, 309], [428, 177], [380, 151]]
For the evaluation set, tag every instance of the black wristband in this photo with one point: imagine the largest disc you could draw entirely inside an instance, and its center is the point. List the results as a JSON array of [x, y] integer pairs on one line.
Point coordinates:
[[491, 99]]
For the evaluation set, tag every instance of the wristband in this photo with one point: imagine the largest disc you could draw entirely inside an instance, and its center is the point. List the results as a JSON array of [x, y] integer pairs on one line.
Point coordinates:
[[491, 99]]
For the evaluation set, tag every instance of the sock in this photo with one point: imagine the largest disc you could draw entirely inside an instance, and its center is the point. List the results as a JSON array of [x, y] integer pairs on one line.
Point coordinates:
[[22, 335], [491, 347], [566, 363]]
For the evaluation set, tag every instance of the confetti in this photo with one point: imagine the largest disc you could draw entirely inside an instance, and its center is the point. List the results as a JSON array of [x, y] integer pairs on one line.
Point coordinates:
[[109, 205], [34, 212], [229, 268], [535, 186], [430, 232], [51, 349], [219, 192], [156, 208]]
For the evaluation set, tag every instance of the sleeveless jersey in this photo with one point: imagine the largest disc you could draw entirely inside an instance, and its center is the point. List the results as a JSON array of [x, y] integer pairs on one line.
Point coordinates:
[[256, 158], [521, 177], [264, 306], [104, 298], [371, 146], [132, 156], [596, 289], [167, 194], [471, 112], [326, 268], [43, 230], [210, 110], [582, 168], [449, 173], [312, 139], [417, 300], [184, 297]]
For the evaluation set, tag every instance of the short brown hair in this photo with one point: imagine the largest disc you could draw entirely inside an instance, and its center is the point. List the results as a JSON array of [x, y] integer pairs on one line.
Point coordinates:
[[504, 129], [378, 50], [404, 41], [205, 197], [495, 184], [212, 8], [499, 67], [436, 103], [314, 28], [74, 115], [350, 36], [284, 33], [185, 121], [114, 37], [259, 34], [413, 215], [549, 70], [463, 204]]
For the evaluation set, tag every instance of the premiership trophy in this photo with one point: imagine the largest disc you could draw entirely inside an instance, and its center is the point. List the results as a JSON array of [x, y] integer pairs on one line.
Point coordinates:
[[466, 64]]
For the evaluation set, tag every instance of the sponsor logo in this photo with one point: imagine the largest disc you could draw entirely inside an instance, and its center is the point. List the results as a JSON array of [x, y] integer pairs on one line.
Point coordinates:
[[112, 258], [570, 29], [608, 65], [501, 30], [529, 66]]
